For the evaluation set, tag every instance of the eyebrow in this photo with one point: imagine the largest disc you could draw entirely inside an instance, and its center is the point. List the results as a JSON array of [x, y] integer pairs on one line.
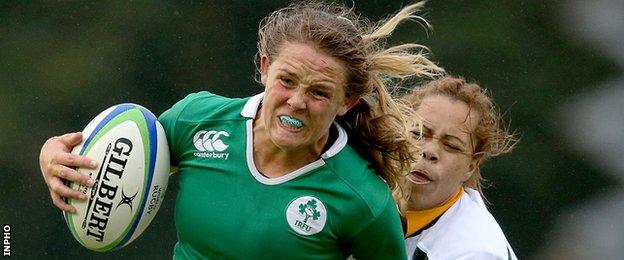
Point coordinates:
[[323, 84], [288, 72], [322, 87]]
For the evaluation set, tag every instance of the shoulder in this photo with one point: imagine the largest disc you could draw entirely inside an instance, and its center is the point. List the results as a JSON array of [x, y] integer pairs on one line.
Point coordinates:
[[360, 176], [184, 119], [204, 105], [466, 229], [369, 212]]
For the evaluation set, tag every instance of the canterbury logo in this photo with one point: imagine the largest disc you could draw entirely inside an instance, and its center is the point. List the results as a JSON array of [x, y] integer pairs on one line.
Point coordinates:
[[208, 141]]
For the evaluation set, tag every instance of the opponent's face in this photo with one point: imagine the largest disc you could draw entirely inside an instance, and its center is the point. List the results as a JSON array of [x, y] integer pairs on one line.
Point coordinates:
[[305, 91], [447, 149]]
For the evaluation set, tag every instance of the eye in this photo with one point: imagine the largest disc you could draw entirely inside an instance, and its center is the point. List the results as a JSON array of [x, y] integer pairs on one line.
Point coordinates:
[[416, 134], [452, 147], [320, 94], [286, 81]]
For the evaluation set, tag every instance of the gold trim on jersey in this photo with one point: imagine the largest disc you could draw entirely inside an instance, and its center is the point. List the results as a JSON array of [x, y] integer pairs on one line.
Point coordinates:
[[418, 219]]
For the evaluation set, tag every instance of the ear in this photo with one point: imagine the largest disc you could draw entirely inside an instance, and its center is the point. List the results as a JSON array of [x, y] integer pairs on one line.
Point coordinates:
[[264, 69], [474, 165], [348, 104]]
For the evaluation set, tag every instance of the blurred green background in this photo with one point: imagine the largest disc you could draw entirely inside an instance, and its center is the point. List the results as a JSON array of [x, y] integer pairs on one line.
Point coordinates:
[[63, 62]]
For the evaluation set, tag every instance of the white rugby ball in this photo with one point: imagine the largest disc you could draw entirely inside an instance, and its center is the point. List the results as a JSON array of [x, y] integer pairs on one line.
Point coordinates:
[[131, 149]]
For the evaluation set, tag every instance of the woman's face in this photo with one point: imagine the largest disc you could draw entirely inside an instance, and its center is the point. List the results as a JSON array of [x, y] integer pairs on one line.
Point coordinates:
[[305, 91], [447, 149]]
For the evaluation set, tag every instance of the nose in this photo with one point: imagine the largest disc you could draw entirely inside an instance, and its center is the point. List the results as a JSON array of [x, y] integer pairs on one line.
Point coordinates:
[[430, 151], [297, 100]]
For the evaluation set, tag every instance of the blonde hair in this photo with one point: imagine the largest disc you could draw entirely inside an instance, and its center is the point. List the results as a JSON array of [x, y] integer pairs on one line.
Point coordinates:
[[492, 137], [376, 125]]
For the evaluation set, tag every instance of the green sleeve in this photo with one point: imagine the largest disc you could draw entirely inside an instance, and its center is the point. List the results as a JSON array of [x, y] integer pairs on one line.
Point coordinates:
[[382, 238], [169, 121]]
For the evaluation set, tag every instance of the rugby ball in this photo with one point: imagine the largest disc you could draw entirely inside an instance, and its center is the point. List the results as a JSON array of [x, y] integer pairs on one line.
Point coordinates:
[[131, 149]]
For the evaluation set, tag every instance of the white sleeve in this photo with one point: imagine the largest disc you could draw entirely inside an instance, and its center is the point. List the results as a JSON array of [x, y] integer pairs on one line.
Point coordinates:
[[487, 255]]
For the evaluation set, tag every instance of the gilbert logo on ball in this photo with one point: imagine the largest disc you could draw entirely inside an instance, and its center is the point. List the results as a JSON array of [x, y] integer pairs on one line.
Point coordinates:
[[130, 181]]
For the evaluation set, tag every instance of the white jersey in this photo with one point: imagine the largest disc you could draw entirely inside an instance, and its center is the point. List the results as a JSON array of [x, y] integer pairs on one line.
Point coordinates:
[[466, 230]]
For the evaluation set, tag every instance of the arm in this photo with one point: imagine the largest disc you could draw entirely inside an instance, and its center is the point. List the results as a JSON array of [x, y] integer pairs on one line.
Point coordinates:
[[382, 238], [57, 164]]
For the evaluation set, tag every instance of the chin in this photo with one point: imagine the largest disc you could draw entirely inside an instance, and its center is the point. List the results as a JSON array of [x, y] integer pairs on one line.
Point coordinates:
[[287, 143], [423, 190], [422, 203], [288, 139]]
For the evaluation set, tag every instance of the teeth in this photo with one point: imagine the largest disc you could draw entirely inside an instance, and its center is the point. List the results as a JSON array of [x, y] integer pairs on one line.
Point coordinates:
[[291, 121]]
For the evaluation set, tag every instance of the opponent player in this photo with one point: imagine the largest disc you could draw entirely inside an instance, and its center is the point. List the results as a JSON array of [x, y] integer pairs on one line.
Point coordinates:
[[272, 176], [446, 217]]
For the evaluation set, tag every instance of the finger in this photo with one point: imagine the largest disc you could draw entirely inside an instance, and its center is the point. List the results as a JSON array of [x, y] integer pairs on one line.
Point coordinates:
[[60, 203], [58, 187], [70, 159], [70, 174], [71, 139]]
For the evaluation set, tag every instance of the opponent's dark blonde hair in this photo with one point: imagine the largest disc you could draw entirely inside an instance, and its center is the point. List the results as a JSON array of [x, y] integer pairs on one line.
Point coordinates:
[[375, 125], [490, 135]]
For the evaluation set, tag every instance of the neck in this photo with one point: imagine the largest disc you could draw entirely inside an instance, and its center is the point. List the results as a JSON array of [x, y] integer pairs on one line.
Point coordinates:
[[274, 161]]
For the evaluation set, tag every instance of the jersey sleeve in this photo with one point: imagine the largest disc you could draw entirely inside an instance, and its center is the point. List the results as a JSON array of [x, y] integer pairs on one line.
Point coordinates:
[[485, 255], [382, 238], [169, 121]]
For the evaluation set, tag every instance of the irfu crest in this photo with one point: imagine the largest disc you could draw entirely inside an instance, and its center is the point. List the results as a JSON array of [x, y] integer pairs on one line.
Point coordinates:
[[309, 209], [306, 215]]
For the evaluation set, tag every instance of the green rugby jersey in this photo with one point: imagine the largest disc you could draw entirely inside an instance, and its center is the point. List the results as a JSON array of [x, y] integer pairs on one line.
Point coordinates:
[[329, 209]]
